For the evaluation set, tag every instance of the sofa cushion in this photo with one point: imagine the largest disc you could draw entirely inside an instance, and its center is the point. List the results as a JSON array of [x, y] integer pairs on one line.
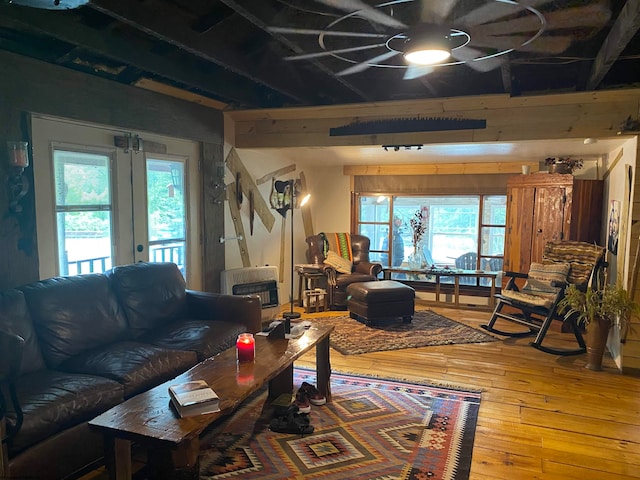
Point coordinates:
[[74, 314], [16, 320], [53, 401], [205, 338], [152, 294], [137, 366]]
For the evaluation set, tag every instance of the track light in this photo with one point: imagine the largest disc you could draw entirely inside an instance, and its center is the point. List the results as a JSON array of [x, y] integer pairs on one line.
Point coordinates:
[[396, 148], [428, 45]]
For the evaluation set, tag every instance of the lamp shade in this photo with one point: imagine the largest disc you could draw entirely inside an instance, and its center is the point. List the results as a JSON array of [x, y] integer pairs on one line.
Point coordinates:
[[428, 45]]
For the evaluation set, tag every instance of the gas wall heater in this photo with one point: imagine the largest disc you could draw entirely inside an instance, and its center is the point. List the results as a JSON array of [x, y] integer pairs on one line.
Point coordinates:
[[261, 281]]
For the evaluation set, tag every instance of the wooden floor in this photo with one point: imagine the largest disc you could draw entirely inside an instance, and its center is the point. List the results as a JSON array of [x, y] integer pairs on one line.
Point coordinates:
[[541, 417]]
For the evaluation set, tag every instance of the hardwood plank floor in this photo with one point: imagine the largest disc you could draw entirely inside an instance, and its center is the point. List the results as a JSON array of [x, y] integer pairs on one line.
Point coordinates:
[[542, 416]]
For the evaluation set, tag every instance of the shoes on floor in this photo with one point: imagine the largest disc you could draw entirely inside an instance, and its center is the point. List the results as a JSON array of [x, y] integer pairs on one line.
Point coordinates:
[[302, 402], [313, 395], [292, 422]]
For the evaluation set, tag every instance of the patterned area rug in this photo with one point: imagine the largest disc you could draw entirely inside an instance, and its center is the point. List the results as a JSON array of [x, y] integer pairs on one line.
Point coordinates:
[[426, 329], [373, 428]]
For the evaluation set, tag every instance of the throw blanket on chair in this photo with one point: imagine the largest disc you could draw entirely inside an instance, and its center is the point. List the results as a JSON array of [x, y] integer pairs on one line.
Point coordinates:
[[339, 243]]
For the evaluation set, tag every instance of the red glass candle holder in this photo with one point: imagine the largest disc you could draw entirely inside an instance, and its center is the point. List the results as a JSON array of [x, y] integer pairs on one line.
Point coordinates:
[[246, 347]]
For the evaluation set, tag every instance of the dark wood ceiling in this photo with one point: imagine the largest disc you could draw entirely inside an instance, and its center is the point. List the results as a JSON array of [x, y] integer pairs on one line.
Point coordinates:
[[225, 50]]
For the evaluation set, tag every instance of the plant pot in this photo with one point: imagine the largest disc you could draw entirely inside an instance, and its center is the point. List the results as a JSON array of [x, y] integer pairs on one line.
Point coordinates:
[[560, 168], [597, 334]]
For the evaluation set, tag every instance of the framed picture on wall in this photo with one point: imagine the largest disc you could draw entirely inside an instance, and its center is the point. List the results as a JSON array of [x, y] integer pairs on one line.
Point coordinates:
[[614, 227]]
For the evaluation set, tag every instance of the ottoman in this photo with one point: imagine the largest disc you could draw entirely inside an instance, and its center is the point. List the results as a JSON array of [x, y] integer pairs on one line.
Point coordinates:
[[374, 302]]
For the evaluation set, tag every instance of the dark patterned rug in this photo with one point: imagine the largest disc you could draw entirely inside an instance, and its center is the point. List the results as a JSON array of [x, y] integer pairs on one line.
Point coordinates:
[[427, 328], [374, 428]]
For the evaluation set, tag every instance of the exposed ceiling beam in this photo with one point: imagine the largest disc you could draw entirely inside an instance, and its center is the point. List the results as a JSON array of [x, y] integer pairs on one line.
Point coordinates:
[[505, 71], [182, 70], [168, 24], [623, 30], [237, 6]]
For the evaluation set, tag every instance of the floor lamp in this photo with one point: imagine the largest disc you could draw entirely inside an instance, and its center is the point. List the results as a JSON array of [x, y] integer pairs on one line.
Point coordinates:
[[284, 197]]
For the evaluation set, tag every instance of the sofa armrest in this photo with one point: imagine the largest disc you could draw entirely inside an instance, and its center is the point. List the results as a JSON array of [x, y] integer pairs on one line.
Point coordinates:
[[246, 309], [11, 347], [369, 268]]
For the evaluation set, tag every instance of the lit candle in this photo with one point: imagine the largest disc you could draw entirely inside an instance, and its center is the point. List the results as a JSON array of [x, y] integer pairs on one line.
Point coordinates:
[[246, 347]]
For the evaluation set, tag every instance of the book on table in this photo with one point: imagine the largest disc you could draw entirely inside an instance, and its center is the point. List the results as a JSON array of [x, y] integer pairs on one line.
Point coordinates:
[[194, 398]]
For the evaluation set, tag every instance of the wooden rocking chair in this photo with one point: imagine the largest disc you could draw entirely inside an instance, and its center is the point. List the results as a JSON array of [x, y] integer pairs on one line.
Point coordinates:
[[563, 263]]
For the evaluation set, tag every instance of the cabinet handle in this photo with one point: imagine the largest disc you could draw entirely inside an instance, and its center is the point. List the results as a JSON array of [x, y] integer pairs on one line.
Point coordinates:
[[539, 230]]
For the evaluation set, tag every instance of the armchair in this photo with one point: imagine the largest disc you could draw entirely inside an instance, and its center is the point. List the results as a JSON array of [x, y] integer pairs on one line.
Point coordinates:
[[359, 268]]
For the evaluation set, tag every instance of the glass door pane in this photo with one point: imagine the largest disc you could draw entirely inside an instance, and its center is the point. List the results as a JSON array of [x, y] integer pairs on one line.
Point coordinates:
[[83, 211], [166, 212]]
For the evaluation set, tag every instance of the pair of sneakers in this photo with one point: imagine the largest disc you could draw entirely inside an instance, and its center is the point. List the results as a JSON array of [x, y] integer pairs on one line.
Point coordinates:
[[308, 395]]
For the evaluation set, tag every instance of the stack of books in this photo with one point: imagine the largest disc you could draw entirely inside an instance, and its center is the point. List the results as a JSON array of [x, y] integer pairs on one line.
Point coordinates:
[[194, 398]]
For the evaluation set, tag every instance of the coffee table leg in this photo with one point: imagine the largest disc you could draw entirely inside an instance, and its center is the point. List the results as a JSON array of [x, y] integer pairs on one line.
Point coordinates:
[[118, 458], [283, 383], [323, 367], [177, 463]]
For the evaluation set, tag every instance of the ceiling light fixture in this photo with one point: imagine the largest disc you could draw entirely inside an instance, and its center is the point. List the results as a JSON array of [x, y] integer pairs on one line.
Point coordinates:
[[397, 148], [428, 45]]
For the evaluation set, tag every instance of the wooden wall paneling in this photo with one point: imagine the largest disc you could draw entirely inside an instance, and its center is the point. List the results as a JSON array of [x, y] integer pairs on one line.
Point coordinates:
[[440, 169], [571, 115], [587, 195], [212, 217]]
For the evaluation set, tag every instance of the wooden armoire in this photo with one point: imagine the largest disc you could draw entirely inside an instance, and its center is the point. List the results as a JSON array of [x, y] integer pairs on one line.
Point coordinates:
[[543, 207]]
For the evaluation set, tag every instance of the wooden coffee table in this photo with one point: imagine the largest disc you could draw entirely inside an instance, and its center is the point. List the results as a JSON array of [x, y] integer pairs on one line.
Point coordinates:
[[173, 442]]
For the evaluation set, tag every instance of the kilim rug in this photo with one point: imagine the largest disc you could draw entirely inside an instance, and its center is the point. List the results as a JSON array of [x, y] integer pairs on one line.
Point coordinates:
[[426, 329], [373, 429]]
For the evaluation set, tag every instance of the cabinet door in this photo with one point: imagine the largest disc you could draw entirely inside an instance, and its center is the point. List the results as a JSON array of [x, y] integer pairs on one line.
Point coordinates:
[[517, 255], [548, 219]]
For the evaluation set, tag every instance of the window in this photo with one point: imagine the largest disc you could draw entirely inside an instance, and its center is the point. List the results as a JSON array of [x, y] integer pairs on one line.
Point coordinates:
[[461, 231], [83, 211]]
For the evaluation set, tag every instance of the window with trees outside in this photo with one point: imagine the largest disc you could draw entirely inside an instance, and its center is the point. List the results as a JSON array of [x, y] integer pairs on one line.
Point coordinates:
[[462, 231]]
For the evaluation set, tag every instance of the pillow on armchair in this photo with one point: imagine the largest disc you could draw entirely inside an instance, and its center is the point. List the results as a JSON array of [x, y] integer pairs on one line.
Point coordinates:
[[341, 264]]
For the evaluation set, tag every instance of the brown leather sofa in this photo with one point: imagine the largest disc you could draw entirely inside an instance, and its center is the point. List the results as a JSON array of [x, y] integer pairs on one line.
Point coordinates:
[[362, 270], [73, 347]]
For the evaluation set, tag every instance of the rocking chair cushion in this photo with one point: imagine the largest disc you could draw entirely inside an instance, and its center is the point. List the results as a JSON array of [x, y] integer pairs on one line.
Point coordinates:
[[542, 278], [545, 301]]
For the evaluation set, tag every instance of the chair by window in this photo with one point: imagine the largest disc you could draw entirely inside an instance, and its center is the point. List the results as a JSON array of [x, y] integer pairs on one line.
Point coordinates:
[[467, 261], [536, 303], [341, 271]]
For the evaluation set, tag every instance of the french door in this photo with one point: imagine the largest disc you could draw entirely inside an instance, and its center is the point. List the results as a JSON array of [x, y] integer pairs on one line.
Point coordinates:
[[108, 197]]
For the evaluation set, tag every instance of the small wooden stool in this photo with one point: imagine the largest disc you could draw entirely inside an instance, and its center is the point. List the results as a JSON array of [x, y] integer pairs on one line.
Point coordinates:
[[373, 302]]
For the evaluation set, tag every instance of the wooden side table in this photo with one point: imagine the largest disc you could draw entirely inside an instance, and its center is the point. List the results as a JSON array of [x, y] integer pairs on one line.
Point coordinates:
[[313, 278]]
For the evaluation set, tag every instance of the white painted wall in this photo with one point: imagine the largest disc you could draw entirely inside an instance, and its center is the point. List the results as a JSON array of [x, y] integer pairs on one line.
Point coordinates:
[[329, 206], [614, 189]]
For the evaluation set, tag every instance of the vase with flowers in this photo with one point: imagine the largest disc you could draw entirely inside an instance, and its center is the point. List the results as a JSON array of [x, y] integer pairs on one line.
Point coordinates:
[[563, 164], [419, 224]]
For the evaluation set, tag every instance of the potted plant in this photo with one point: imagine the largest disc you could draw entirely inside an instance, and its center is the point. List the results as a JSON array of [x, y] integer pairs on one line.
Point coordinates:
[[563, 164], [598, 311]]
